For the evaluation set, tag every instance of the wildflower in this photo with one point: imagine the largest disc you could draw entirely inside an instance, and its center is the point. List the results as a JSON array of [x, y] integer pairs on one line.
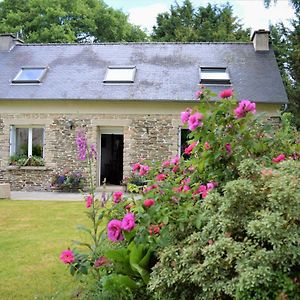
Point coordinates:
[[228, 149], [93, 152], [101, 261], [114, 230], [81, 142], [117, 196], [195, 121], [143, 170], [89, 201], [161, 177], [198, 94], [206, 146], [149, 202], [279, 158], [185, 115], [243, 108], [188, 150], [128, 222], [226, 93], [67, 256]]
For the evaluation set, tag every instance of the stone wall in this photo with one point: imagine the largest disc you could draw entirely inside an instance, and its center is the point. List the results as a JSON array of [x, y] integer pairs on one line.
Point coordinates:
[[146, 137]]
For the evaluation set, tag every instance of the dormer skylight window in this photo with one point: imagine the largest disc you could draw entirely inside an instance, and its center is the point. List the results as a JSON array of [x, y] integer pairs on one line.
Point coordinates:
[[120, 74], [30, 75], [214, 75]]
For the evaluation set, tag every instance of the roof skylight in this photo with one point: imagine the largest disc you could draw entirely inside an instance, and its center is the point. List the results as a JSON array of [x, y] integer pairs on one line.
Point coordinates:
[[212, 75], [30, 75], [120, 74]]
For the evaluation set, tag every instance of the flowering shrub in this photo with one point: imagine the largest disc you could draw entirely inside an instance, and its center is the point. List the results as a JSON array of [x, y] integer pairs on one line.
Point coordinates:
[[68, 181], [194, 234]]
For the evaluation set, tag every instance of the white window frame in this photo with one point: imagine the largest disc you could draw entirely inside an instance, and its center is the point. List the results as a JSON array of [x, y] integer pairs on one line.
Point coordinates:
[[112, 77], [214, 75], [37, 80], [13, 138]]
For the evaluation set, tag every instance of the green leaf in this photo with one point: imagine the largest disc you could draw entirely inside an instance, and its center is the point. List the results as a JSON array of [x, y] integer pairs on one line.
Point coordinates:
[[83, 228], [119, 281]]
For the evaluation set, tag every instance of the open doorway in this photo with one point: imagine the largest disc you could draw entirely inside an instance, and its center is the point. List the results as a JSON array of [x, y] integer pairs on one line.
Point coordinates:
[[111, 155]]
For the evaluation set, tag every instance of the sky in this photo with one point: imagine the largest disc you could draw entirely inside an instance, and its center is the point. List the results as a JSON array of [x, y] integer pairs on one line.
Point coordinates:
[[251, 13]]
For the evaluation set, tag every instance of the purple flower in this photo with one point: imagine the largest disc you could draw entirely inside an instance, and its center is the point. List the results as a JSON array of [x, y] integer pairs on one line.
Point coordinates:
[[185, 115], [244, 107], [93, 152], [114, 231], [228, 149], [128, 222], [81, 142], [194, 121]]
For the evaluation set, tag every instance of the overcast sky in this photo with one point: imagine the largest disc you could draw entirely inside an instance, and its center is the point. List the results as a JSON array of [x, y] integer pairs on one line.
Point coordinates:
[[251, 12]]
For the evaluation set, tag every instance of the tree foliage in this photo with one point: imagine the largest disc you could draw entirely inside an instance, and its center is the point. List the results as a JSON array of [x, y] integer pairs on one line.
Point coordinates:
[[203, 24], [66, 21]]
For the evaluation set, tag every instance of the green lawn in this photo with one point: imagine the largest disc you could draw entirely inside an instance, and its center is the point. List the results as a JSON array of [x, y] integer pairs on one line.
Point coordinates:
[[32, 235]]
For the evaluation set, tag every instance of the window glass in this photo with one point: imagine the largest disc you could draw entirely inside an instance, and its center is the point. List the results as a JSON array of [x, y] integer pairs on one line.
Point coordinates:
[[29, 75], [22, 141], [37, 141], [214, 75], [120, 75]]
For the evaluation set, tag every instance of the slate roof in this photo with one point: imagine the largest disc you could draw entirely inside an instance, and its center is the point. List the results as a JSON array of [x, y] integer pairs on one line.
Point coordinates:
[[165, 71]]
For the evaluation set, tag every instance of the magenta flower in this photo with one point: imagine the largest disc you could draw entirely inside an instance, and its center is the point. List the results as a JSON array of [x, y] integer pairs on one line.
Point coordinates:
[[143, 170], [161, 177], [185, 115], [210, 186], [279, 158], [67, 256], [136, 167], [93, 152], [188, 150], [114, 230], [149, 188], [89, 201], [226, 93], [149, 202], [186, 188], [101, 261], [81, 143], [243, 108], [195, 121], [128, 222], [117, 196], [198, 94], [175, 160], [206, 146], [228, 149], [166, 164]]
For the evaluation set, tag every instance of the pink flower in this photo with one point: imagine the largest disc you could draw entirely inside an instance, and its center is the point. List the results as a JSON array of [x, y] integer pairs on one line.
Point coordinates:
[[149, 188], [186, 188], [198, 94], [279, 158], [186, 181], [101, 261], [188, 150], [136, 167], [89, 201], [226, 93], [114, 231], [228, 149], [93, 152], [81, 142], [175, 169], [202, 190], [143, 170], [128, 222], [149, 202], [166, 164], [117, 196], [206, 146], [67, 256], [184, 116], [194, 121], [175, 160], [244, 107], [161, 177]]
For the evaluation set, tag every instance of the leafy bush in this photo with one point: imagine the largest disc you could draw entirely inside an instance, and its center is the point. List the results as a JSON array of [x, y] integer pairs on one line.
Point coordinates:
[[68, 181], [22, 160]]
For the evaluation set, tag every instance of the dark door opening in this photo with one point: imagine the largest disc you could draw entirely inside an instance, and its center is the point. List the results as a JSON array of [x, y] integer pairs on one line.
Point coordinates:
[[111, 158]]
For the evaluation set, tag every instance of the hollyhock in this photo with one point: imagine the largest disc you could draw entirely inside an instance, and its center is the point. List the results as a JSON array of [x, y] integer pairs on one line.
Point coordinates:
[[228, 149], [226, 93], [101, 261], [188, 150], [184, 116], [67, 256], [89, 201], [206, 146], [279, 158], [117, 196], [128, 222], [143, 170], [114, 230], [161, 177], [136, 167], [195, 121], [149, 202], [198, 94], [81, 142], [243, 108]]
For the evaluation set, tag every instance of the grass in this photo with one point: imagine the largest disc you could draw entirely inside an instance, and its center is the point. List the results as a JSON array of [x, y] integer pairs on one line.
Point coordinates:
[[32, 236]]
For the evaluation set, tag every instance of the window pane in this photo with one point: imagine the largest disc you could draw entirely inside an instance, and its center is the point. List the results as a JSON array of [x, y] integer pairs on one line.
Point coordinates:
[[120, 75], [30, 75], [37, 141], [22, 141], [214, 75]]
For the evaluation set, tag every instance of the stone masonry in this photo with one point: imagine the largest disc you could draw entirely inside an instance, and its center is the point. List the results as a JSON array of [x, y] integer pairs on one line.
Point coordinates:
[[146, 137]]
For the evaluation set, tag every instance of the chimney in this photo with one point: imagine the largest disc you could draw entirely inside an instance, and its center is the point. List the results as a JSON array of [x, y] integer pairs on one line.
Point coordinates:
[[8, 41], [260, 39]]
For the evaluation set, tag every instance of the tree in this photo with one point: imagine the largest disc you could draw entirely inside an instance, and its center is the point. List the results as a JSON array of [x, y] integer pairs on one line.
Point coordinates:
[[66, 21], [286, 44], [204, 24]]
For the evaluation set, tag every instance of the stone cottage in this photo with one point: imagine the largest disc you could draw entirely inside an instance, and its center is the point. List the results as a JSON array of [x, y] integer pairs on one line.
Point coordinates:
[[127, 97]]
